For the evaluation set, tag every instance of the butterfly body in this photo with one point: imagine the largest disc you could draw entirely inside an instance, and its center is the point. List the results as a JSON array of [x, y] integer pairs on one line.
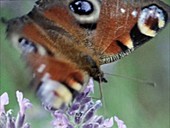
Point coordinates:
[[64, 42]]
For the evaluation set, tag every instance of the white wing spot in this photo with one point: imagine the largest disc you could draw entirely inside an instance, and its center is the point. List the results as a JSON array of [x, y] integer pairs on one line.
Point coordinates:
[[41, 68], [134, 13], [122, 10]]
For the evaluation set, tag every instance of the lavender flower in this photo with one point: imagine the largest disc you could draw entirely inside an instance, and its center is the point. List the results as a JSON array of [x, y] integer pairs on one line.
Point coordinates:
[[6, 118], [119, 122], [82, 113], [4, 100], [24, 103]]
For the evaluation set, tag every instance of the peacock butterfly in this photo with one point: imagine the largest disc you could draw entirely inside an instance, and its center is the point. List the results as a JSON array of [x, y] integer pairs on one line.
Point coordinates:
[[64, 42]]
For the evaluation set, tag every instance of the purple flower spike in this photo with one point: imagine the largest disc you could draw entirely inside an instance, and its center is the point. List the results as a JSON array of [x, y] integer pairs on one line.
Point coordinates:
[[3, 120], [86, 100], [79, 97], [119, 122], [20, 120], [98, 104], [70, 126], [100, 119], [108, 123], [96, 125], [24, 103], [73, 108], [91, 85], [26, 125], [6, 118], [10, 120], [91, 111], [88, 126], [60, 121], [82, 113], [4, 100], [89, 115], [78, 117]]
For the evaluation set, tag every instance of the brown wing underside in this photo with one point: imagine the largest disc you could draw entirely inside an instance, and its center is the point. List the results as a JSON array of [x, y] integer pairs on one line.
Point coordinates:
[[115, 20], [111, 40], [114, 25], [117, 33]]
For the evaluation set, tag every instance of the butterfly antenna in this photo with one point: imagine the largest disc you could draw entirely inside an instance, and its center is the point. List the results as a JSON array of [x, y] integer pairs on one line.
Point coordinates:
[[151, 83]]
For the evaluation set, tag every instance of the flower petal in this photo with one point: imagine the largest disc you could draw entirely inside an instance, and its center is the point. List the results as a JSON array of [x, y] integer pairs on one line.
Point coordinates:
[[78, 117], [60, 119], [26, 125], [88, 125], [19, 120], [4, 100], [108, 123], [89, 115], [24, 103], [19, 96], [3, 120], [119, 122], [10, 121], [91, 85]]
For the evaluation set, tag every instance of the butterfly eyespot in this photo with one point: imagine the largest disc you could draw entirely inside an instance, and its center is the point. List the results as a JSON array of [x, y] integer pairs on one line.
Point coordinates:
[[85, 11], [54, 94], [152, 18], [82, 7], [26, 46]]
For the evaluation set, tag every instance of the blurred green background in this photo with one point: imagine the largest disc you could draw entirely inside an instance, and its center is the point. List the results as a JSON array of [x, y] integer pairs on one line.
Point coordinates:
[[139, 105]]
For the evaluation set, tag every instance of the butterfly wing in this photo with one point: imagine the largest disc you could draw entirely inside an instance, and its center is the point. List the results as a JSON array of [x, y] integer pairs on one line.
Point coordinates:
[[44, 41], [123, 26], [64, 45]]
